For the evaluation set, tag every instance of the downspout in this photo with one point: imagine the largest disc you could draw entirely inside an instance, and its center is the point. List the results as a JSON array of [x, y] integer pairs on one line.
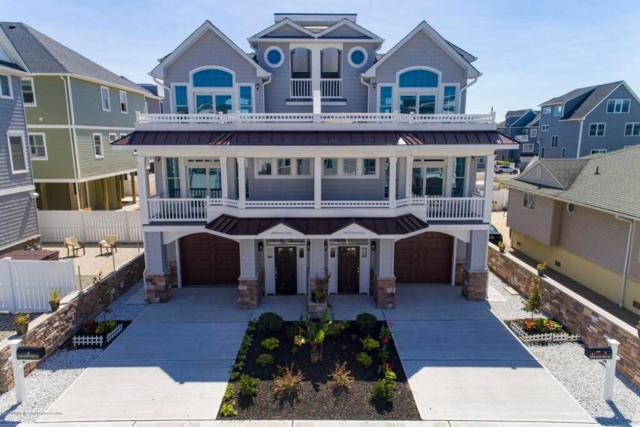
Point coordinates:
[[580, 138], [264, 97], [72, 134], [464, 88], [368, 85], [627, 256]]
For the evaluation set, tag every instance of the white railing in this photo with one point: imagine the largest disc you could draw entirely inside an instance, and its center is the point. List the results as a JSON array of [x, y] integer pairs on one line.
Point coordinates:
[[177, 209], [331, 88], [452, 208], [25, 286], [334, 118], [354, 204], [279, 203], [91, 226], [300, 88]]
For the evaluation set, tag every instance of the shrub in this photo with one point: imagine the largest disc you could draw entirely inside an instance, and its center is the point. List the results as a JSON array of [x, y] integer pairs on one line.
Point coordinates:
[[21, 319], [248, 386], [385, 388], [366, 322], [364, 360], [340, 377], [286, 384], [299, 340], [228, 409], [264, 360], [105, 327], [270, 344], [369, 344], [54, 296], [269, 322], [319, 296], [294, 349], [336, 328], [534, 301], [344, 347]]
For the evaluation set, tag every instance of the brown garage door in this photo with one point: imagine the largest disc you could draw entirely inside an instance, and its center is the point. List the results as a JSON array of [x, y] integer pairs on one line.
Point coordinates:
[[425, 258], [209, 260]]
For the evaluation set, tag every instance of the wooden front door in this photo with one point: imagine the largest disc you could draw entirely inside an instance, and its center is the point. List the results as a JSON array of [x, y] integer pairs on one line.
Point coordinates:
[[348, 269], [286, 270]]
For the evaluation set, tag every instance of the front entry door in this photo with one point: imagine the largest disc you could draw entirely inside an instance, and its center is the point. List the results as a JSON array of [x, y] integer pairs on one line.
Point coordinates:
[[286, 270], [348, 269]]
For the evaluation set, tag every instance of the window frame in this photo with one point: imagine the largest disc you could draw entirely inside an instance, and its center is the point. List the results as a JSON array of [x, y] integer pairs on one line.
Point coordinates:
[[251, 100], [125, 103], [266, 56], [391, 106], [364, 53], [435, 91], [544, 128], [455, 98], [102, 98], [274, 172], [557, 139], [633, 127], [557, 109], [115, 135], [174, 98], [44, 146], [527, 144], [9, 85], [597, 128], [359, 168], [528, 200], [546, 110], [33, 92], [93, 140], [534, 132], [615, 103], [21, 135]]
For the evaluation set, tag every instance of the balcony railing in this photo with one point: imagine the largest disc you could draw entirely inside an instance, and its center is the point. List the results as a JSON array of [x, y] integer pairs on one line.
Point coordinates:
[[300, 88], [331, 88], [435, 208], [331, 118]]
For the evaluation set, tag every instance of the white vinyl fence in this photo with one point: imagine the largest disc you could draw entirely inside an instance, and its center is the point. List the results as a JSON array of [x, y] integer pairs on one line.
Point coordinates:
[[25, 286], [89, 226]]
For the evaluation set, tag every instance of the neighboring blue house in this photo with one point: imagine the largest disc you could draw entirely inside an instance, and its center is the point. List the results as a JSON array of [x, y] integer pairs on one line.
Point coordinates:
[[594, 119], [523, 126], [18, 220]]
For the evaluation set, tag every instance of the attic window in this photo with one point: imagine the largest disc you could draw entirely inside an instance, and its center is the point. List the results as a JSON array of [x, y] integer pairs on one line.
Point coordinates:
[[212, 77], [418, 78]]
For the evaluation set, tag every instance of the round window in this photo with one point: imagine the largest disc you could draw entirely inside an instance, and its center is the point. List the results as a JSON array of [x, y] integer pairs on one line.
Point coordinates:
[[357, 57], [274, 56]]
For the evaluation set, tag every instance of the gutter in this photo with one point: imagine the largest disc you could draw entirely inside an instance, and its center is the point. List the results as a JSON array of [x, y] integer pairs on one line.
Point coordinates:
[[627, 256], [464, 88]]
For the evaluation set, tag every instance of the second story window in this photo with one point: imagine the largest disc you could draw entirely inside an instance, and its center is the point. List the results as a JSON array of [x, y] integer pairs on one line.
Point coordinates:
[[618, 105], [386, 99], [534, 132], [124, 105], [5, 87], [173, 177], [546, 110], [529, 201], [182, 103], [527, 148], [449, 102], [37, 146], [597, 129], [28, 94], [17, 152], [213, 90], [557, 111], [97, 146], [544, 128], [105, 101], [246, 99], [554, 140], [632, 129], [418, 90]]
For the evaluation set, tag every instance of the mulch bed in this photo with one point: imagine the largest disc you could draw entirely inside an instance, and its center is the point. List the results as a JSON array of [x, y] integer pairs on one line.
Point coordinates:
[[68, 345], [317, 398]]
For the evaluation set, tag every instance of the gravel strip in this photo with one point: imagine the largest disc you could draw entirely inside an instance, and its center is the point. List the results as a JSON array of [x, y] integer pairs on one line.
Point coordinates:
[[582, 377]]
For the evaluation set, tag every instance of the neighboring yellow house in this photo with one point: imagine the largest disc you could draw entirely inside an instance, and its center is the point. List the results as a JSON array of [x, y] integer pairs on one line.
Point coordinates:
[[580, 216]]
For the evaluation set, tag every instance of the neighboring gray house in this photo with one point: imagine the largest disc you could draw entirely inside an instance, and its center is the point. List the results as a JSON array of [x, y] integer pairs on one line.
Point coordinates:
[[523, 126], [152, 104], [18, 220], [594, 119]]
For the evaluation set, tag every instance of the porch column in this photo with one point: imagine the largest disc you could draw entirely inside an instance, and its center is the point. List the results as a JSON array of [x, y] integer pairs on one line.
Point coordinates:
[[142, 183], [316, 69], [384, 286], [393, 163], [317, 182], [409, 178], [157, 286], [104, 182], [242, 186], [488, 188], [223, 178], [317, 268], [249, 286], [132, 176], [475, 273]]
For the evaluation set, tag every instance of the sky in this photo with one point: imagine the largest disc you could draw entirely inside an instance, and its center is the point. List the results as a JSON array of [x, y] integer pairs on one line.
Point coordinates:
[[528, 50]]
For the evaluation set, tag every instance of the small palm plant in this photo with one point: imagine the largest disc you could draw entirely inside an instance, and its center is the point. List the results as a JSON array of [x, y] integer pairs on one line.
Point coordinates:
[[315, 334]]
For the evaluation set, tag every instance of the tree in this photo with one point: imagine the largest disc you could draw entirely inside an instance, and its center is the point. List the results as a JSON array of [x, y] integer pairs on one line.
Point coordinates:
[[534, 301]]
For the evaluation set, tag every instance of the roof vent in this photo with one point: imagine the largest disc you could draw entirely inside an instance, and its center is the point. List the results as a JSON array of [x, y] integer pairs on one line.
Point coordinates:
[[597, 170]]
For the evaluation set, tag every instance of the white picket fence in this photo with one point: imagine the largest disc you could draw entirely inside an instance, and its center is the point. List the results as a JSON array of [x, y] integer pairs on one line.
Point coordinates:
[[25, 286], [90, 226]]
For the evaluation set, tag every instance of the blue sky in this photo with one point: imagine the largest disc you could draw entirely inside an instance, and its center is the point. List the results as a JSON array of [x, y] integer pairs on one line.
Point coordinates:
[[528, 50]]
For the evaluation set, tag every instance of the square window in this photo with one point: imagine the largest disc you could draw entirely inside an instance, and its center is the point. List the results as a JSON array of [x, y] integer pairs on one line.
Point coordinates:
[[527, 148], [545, 128], [264, 167], [369, 166], [330, 167], [5, 87], [97, 146], [597, 129], [350, 166], [18, 158], [113, 137], [37, 146], [303, 167], [284, 166], [557, 111], [28, 94]]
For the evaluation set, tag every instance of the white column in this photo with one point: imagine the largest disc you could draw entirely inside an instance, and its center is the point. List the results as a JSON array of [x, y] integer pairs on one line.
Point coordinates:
[[488, 187], [409, 178], [317, 182], [223, 178], [247, 260], [242, 188], [476, 251], [317, 266], [386, 254], [316, 69], [143, 190], [393, 163]]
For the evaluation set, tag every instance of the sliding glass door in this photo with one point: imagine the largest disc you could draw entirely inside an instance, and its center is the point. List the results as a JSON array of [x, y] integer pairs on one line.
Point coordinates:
[[428, 179], [205, 182]]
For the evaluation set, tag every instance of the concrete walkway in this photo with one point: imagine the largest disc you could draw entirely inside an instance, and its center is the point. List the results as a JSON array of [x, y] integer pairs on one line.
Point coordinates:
[[463, 364]]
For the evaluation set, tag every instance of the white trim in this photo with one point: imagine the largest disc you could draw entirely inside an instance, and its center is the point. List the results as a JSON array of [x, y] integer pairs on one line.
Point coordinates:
[[615, 101], [115, 137], [354, 26], [33, 91], [81, 180], [126, 102], [44, 143], [530, 145], [358, 49], [278, 25], [393, 94], [16, 190], [534, 132], [597, 125], [93, 141], [253, 96], [437, 91], [274, 168], [10, 84], [102, 98], [633, 125], [40, 126], [266, 56], [359, 174], [21, 134]]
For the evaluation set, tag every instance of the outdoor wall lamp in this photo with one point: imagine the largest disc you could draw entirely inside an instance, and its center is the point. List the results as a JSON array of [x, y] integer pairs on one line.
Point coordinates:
[[373, 246], [260, 246]]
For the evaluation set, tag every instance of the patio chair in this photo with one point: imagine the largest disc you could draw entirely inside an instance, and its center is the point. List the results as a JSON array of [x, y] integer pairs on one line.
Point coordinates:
[[109, 243], [71, 243]]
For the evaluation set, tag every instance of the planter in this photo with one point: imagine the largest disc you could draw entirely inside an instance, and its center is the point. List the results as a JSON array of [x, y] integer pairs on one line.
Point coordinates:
[[97, 340], [54, 305], [543, 337], [22, 329], [316, 309]]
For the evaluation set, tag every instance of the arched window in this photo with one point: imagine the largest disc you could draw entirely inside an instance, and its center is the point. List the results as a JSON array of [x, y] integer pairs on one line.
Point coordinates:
[[418, 78], [212, 78]]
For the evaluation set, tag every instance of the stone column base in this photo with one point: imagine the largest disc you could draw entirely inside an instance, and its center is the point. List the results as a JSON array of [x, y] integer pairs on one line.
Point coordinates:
[[475, 285], [384, 292], [157, 288], [249, 293]]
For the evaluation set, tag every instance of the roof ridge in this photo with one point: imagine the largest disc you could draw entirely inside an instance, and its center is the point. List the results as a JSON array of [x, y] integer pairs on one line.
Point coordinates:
[[29, 29]]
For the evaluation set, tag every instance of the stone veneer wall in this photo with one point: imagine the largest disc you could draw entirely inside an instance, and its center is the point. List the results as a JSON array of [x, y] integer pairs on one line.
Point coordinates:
[[576, 313], [53, 329]]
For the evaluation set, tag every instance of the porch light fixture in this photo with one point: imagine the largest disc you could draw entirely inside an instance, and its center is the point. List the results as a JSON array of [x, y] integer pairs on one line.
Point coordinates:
[[257, 86], [364, 252], [301, 253], [373, 246], [333, 252], [260, 246]]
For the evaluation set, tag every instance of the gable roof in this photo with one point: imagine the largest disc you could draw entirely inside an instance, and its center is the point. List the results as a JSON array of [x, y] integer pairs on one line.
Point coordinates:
[[158, 70], [282, 23], [607, 182], [517, 112], [438, 39], [348, 23], [568, 96], [535, 121], [42, 54]]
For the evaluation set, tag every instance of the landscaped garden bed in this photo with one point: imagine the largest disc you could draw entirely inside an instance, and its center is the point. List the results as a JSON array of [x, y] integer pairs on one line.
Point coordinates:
[[540, 330], [98, 334], [318, 370]]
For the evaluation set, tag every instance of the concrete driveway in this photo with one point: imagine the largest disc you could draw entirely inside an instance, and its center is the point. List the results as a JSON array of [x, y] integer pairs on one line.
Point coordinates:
[[171, 363], [464, 365]]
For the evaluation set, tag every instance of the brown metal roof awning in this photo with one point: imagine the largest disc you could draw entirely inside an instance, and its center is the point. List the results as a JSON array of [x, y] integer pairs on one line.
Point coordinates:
[[235, 226], [309, 138]]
